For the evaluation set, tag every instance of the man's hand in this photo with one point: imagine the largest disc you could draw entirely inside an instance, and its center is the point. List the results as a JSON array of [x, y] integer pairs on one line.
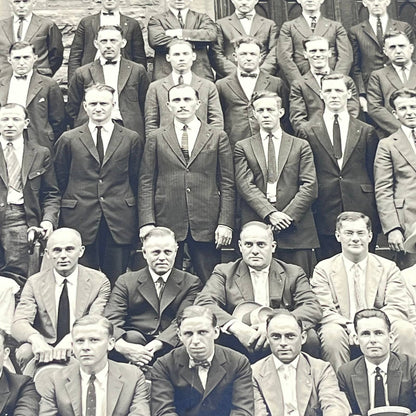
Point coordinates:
[[47, 227], [137, 354], [144, 230], [223, 236], [244, 333], [352, 339], [363, 104], [154, 346], [279, 220], [174, 33], [42, 351], [260, 341], [64, 349], [395, 239]]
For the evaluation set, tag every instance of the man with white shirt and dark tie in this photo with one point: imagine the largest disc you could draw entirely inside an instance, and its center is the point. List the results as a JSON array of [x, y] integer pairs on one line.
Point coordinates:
[[344, 149]]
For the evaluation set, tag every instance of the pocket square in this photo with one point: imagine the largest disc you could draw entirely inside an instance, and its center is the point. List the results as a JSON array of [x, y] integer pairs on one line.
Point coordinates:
[[41, 100]]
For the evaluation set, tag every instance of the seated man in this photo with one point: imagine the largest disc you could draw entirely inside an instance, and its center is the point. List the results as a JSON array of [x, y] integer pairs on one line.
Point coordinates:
[[258, 277], [291, 381], [18, 395], [95, 385], [357, 279], [201, 378], [364, 379], [53, 299], [143, 305]]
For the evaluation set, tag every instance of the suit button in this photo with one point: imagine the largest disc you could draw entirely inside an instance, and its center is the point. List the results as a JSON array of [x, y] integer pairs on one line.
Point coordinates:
[[100, 181], [101, 198], [155, 319], [340, 178], [2, 204], [188, 190], [186, 170]]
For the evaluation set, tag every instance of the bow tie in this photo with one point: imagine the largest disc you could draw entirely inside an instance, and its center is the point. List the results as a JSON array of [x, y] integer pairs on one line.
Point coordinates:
[[204, 364], [110, 62], [322, 74], [109, 13], [247, 16], [20, 76], [248, 75]]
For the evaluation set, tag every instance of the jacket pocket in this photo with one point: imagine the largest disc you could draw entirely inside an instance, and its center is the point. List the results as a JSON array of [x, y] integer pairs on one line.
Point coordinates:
[[131, 202], [367, 188], [69, 203]]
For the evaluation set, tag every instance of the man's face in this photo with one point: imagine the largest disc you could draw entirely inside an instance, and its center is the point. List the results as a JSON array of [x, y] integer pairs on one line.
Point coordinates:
[[268, 112], [405, 111], [247, 56], [110, 4], [285, 338], [198, 336], [99, 105], [374, 339], [257, 247], [376, 7], [179, 4], [183, 104], [22, 8], [335, 94], [22, 60], [398, 49], [317, 52], [91, 345], [12, 122], [354, 238], [4, 353], [244, 6], [109, 43], [310, 6], [160, 253], [181, 57]]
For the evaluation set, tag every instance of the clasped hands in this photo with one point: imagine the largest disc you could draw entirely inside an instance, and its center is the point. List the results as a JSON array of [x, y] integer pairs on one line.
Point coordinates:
[[46, 353], [254, 337]]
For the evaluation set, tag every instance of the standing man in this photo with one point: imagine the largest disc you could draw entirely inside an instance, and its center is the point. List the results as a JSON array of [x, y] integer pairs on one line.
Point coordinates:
[[395, 175], [244, 22], [181, 56], [367, 44], [41, 95], [399, 73], [29, 195], [272, 190], [201, 378], [97, 167], [187, 183], [128, 79], [182, 23], [344, 149], [42, 33], [292, 34], [83, 50], [357, 279]]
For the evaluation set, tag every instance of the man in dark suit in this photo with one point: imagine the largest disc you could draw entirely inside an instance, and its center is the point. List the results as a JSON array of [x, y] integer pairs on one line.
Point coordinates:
[[305, 94], [181, 56], [244, 22], [144, 305], [237, 89], [42, 33], [52, 299], [258, 277], [29, 195], [364, 379], [83, 50], [97, 167], [187, 183], [399, 73], [182, 23], [129, 80], [201, 378], [272, 190], [290, 54], [344, 149], [94, 385], [41, 95], [367, 43]]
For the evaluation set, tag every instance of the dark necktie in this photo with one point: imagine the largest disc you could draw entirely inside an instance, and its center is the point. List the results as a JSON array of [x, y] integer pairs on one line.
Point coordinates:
[[379, 394], [63, 314], [248, 74], [180, 20], [184, 142], [100, 146], [13, 168], [160, 285], [404, 74], [379, 32], [23, 77], [180, 79], [20, 28], [336, 134], [271, 161], [91, 405], [109, 13], [247, 16], [414, 136], [313, 23], [109, 62], [195, 364]]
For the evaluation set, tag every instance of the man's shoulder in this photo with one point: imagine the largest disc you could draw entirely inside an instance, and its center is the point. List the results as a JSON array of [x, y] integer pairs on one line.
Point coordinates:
[[39, 277], [88, 19], [184, 277], [129, 20], [15, 381], [93, 274], [289, 24], [43, 20], [47, 82], [381, 261], [328, 264], [128, 372], [291, 270], [137, 69], [229, 269], [224, 82]]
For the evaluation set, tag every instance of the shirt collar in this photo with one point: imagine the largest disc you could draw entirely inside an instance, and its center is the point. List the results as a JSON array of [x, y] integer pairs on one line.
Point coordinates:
[[371, 368], [104, 60], [72, 278], [373, 20], [256, 72], [28, 75], [398, 68], [308, 19], [17, 143], [279, 364], [192, 125], [116, 13], [277, 134], [264, 271], [184, 12], [349, 264], [156, 276], [100, 376], [187, 77], [209, 359], [27, 18], [407, 131], [342, 116], [107, 127]]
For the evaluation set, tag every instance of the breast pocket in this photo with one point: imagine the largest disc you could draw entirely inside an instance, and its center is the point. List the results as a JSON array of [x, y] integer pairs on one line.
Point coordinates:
[[35, 178]]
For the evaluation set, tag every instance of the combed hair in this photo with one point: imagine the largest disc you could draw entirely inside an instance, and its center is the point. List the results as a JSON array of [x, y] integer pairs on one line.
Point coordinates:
[[197, 312], [176, 41], [96, 320], [257, 95], [99, 87], [110, 27], [246, 40], [15, 105], [393, 34], [283, 312], [259, 224], [313, 38], [371, 313], [334, 76], [352, 216], [16, 46], [402, 93], [180, 87], [159, 232]]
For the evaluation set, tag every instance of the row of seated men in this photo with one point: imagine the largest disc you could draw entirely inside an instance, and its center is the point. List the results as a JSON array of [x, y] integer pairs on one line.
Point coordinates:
[[257, 309]]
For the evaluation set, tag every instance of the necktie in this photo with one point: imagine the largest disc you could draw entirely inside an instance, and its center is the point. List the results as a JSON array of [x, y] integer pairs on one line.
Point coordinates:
[[20, 28], [358, 288], [180, 20], [160, 285], [379, 32], [247, 16], [321, 73], [63, 314], [100, 146], [180, 79], [379, 394], [91, 397], [109, 13], [110, 62], [13, 168], [248, 75], [271, 161], [23, 77], [414, 136], [184, 143], [204, 364], [313, 23], [404, 74], [336, 134]]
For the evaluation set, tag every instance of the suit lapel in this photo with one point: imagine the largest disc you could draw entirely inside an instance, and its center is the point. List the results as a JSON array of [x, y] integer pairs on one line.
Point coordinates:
[[114, 143], [271, 387], [360, 385], [190, 375], [235, 86], [257, 146], [243, 282], [411, 83], [303, 27], [86, 139], [169, 135], [277, 281], [353, 137], [311, 82], [256, 24], [285, 146], [322, 26], [216, 372], [403, 146], [190, 21], [35, 86], [114, 387], [262, 82], [174, 23], [4, 89], [322, 135], [236, 24], [147, 289], [393, 77], [32, 28], [73, 387], [366, 27], [8, 30], [203, 137], [168, 83], [83, 292], [170, 291], [123, 74], [338, 276], [47, 290], [95, 22], [3, 168], [97, 73], [195, 82], [303, 384], [394, 379], [4, 392], [29, 155], [372, 280]]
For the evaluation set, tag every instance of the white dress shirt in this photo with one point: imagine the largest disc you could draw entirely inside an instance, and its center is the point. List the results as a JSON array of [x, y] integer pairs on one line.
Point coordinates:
[[373, 23], [399, 70], [344, 122], [409, 135], [184, 13], [19, 89], [308, 17], [111, 74], [155, 278], [247, 83], [260, 282], [318, 78], [72, 283], [287, 377], [193, 130], [110, 20], [106, 133], [371, 373], [247, 23], [26, 23], [203, 372], [100, 384], [187, 78], [13, 196]]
